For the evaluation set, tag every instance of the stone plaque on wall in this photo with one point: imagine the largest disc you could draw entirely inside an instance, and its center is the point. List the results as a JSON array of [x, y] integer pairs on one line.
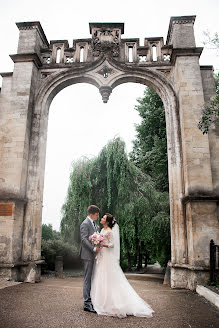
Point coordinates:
[[6, 209]]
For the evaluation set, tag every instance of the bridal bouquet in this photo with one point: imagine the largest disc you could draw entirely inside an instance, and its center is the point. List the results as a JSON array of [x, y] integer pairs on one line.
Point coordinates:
[[96, 238]]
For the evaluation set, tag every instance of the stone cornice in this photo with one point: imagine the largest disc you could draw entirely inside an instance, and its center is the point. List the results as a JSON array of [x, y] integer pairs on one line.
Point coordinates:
[[178, 20], [134, 65], [200, 198], [34, 25], [29, 57], [176, 52], [119, 26], [188, 267], [156, 38], [7, 198], [6, 74], [130, 40], [207, 67], [12, 265], [65, 42]]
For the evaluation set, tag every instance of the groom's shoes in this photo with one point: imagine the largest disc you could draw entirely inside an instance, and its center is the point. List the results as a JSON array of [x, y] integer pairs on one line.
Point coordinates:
[[89, 308]]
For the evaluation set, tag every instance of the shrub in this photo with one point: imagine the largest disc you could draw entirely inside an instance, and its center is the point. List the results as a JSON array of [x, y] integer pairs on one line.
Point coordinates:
[[124, 264], [55, 247]]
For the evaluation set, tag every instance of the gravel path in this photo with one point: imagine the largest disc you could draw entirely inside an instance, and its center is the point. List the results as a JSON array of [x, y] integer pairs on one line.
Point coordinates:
[[57, 303]]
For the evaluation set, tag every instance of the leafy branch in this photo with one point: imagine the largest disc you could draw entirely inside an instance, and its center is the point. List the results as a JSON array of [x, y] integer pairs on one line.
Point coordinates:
[[210, 113]]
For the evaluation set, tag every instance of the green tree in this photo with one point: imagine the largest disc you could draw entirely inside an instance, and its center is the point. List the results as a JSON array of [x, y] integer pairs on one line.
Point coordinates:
[[212, 41], [116, 185], [150, 146], [210, 113], [105, 180], [150, 155], [53, 245], [74, 209], [48, 233]]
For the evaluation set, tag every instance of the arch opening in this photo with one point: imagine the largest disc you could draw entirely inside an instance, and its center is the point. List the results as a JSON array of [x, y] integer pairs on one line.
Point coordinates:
[[117, 93], [57, 83], [63, 148]]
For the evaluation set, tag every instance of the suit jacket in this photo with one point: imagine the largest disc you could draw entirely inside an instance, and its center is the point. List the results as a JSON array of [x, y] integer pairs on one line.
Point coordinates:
[[87, 249]]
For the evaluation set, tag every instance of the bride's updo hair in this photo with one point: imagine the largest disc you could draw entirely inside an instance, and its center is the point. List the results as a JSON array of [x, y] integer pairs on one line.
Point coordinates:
[[111, 220]]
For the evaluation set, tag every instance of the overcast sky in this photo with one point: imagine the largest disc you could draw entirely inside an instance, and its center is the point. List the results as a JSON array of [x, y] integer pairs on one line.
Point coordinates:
[[79, 123]]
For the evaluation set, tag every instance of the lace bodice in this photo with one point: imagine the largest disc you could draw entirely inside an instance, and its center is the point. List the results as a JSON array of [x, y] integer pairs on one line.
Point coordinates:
[[108, 237]]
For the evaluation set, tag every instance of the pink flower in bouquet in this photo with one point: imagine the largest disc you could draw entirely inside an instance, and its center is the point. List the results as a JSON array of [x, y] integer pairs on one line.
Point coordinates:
[[96, 238]]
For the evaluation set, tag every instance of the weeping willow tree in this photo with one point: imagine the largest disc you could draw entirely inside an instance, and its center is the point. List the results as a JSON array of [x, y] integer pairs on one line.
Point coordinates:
[[116, 185]]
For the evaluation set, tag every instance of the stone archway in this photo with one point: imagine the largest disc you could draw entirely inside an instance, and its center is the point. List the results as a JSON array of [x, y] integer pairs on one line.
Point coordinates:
[[43, 69]]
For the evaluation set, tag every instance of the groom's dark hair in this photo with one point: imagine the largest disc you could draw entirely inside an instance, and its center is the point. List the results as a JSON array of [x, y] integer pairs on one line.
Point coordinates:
[[92, 209]]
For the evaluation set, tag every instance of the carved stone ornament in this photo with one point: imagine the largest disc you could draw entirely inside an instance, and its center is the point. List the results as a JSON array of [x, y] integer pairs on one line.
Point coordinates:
[[105, 92], [105, 40], [106, 71]]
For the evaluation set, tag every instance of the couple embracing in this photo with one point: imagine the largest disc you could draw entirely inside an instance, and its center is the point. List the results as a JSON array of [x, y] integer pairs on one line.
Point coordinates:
[[106, 290]]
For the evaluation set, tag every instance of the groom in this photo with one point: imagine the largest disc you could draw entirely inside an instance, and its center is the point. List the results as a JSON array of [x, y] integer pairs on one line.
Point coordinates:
[[88, 252]]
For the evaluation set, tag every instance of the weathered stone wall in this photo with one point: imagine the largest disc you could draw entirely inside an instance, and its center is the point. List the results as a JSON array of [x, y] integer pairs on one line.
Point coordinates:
[[181, 32], [195, 145], [199, 168], [31, 38], [17, 99], [202, 224]]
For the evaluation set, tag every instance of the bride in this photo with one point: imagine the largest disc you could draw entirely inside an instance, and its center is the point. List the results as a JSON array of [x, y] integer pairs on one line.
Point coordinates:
[[111, 293]]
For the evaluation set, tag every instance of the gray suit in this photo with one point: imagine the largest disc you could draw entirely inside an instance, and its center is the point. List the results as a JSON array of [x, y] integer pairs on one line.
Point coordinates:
[[87, 255]]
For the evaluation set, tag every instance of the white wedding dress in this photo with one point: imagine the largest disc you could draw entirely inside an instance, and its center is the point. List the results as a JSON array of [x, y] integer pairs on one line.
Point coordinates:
[[111, 293]]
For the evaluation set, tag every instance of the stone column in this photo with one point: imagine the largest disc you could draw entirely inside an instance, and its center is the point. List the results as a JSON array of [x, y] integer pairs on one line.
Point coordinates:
[[17, 102], [199, 199]]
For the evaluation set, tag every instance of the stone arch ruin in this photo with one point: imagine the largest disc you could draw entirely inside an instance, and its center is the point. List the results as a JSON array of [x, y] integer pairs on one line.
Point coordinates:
[[106, 60]]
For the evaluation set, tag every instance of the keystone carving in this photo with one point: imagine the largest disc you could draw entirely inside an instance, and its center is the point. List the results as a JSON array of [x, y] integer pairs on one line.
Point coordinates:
[[105, 92], [106, 71]]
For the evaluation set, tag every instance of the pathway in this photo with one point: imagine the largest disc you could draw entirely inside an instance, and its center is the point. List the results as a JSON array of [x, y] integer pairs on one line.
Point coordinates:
[[57, 303]]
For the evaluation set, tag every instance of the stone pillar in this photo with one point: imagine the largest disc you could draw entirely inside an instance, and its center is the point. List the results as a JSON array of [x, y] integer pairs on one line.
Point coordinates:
[[199, 199], [59, 267], [166, 280], [17, 102]]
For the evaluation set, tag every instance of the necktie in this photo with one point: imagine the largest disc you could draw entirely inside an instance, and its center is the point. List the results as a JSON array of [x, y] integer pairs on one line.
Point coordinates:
[[94, 225]]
